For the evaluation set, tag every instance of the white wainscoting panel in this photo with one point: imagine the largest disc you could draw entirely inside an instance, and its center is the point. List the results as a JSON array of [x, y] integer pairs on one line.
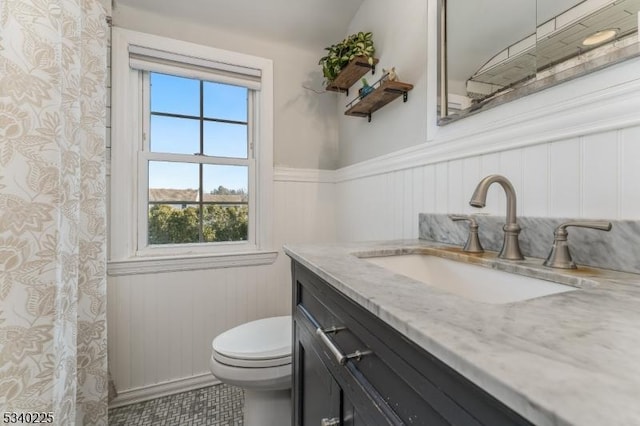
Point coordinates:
[[594, 175], [161, 325], [455, 191], [600, 174], [535, 163], [564, 175], [630, 173], [441, 188]]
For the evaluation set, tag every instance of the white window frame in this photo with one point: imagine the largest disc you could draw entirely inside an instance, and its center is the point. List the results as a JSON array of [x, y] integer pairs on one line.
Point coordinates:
[[129, 252]]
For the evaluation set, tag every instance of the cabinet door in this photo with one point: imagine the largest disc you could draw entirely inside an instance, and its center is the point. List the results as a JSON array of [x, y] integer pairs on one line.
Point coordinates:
[[317, 396], [350, 415]]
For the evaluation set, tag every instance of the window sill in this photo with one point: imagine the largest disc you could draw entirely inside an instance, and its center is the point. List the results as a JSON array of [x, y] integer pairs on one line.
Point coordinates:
[[154, 265]]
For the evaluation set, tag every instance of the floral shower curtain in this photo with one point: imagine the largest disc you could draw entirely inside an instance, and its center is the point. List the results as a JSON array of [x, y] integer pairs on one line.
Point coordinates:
[[53, 352]]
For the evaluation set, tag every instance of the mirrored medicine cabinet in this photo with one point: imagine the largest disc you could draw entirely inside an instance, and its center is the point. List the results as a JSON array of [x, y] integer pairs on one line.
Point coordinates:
[[495, 51]]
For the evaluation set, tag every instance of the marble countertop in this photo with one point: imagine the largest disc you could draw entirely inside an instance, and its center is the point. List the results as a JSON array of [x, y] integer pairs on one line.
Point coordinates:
[[565, 359]]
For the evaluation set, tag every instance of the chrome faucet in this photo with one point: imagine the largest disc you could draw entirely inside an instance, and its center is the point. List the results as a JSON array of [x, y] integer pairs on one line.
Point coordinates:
[[510, 247]]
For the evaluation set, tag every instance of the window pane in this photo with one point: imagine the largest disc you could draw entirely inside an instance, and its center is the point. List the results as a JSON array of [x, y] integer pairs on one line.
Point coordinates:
[[175, 95], [174, 135], [225, 101], [174, 223], [173, 192], [225, 140], [225, 180], [226, 214], [225, 223], [173, 182]]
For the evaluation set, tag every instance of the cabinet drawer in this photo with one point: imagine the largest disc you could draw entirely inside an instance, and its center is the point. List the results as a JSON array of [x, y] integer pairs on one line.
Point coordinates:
[[404, 380]]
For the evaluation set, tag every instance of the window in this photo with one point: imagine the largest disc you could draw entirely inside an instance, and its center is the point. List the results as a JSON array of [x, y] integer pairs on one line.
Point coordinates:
[[192, 130], [196, 160]]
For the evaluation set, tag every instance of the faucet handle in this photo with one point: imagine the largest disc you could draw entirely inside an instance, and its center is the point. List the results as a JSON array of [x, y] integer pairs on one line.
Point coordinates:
[[473, 241], [471, 219], [601, 225], [560, 257]]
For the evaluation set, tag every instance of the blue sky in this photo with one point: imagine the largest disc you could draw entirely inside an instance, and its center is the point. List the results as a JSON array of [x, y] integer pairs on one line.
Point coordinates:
[[178, 95]]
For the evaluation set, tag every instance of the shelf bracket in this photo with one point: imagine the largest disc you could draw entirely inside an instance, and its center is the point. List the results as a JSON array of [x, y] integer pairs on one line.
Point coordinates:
[[405, 93], [367, 65]]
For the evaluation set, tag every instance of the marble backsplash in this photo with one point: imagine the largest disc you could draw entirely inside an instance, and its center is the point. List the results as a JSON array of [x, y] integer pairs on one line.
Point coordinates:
[[618, 249]]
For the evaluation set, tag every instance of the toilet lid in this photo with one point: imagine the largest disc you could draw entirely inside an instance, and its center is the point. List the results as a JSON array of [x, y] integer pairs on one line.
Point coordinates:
[[262, 343]]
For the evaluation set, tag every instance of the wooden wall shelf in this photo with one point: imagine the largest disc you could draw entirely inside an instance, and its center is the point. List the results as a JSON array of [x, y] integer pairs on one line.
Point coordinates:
[[358, 67], [382, 95]]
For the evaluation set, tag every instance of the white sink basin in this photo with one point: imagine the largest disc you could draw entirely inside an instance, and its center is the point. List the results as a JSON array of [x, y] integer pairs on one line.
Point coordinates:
[[471, 281]]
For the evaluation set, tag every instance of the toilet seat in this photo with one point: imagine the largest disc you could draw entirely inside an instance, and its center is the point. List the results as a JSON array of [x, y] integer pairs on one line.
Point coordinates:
[[257, 344]]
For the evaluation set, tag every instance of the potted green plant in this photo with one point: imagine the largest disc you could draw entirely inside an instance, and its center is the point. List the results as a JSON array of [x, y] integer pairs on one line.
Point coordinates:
[[340, 54]]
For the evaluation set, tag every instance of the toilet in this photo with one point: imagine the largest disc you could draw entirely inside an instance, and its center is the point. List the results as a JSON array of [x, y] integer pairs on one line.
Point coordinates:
[[256, 356]]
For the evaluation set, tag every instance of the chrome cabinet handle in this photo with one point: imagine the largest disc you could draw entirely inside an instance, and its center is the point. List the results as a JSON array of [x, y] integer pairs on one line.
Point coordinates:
[[337, 353], [340, 357], [560, 257], [330, 422]]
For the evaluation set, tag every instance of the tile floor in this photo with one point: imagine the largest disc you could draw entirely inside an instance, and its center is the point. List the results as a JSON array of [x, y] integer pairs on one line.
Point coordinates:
[[219, 405]]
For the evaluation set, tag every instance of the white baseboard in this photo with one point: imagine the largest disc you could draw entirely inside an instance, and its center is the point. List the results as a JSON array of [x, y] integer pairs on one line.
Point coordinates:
[[157, 390]]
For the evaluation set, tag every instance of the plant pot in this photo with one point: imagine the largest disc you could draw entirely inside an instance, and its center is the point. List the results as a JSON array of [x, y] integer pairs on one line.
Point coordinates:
[[364, 91]]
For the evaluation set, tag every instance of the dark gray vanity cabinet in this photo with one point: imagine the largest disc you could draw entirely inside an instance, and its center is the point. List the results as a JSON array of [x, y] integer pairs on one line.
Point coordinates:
[[351, 368]]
